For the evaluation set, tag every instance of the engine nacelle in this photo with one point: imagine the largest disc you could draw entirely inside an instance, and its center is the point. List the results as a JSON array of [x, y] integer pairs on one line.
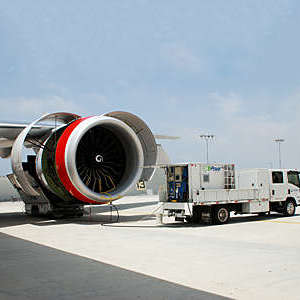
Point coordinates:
[[95, 159]]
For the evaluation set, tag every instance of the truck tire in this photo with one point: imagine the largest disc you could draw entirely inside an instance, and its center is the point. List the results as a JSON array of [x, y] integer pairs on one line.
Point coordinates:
[[289, 208], [221, 215]]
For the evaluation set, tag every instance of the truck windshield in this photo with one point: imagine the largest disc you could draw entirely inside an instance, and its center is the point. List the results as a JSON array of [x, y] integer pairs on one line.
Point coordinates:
[[293, 178]]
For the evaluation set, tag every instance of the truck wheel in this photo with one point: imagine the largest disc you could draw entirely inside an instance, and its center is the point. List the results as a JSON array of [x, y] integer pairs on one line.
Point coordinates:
[[221, 215], [289, 208]]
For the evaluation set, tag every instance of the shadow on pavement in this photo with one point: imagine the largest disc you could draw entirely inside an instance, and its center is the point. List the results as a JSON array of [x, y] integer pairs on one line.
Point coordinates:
[[234, 220], [20, 218], [32, 271], [121, 206], [117, 219]]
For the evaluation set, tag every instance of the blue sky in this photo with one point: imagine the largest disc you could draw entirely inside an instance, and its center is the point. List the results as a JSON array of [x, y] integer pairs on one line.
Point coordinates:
[[230, 68]]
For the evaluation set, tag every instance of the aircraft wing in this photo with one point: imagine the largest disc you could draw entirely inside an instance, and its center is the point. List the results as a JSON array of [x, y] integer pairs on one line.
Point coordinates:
[[10, 131], [166, 137]]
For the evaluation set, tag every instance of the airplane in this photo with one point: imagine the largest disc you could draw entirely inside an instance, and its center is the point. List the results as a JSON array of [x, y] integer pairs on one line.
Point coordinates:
[[78, 160]]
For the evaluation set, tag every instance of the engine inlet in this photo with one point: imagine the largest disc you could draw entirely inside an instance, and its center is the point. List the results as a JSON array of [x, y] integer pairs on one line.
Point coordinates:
[[100, 160]]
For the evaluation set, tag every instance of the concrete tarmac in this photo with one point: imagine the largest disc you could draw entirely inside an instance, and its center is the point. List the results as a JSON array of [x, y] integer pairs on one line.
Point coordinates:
[[252, 257]]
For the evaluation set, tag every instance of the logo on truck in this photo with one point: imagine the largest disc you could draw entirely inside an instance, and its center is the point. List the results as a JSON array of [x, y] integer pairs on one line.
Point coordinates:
[[214, 168]]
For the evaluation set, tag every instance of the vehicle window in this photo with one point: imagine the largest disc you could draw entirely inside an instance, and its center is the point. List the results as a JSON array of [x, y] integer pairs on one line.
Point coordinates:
[[205, 177], [293, 178], [277, 177]]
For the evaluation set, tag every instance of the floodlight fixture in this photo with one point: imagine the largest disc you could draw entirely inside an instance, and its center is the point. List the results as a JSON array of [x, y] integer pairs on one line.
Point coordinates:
[[207, 138]]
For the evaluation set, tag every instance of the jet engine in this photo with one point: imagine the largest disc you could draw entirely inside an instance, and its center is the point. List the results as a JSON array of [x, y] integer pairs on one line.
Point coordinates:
[[85, 160]]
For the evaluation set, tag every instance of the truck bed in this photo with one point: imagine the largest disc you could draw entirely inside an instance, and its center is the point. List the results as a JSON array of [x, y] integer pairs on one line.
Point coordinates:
[[209, 197]]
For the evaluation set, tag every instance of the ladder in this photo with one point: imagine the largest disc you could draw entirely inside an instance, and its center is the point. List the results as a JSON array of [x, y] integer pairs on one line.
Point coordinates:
[[229, 177]]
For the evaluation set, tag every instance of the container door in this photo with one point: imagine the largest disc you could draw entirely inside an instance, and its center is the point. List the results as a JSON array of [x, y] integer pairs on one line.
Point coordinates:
[[263, 184], [194, 181], [278, 186]]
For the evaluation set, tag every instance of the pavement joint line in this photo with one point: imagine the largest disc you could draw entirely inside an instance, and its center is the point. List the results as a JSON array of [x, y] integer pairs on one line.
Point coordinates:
[[285, 222]]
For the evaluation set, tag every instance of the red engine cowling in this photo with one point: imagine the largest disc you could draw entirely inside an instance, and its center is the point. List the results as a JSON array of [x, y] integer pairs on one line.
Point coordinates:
[[96, 159]]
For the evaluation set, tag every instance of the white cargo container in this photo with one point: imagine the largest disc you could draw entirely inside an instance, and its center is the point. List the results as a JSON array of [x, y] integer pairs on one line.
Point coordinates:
[[209, 192]]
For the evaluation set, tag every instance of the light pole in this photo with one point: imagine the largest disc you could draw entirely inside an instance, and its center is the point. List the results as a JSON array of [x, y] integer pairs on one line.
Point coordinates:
[[279, 141], [206, 138]]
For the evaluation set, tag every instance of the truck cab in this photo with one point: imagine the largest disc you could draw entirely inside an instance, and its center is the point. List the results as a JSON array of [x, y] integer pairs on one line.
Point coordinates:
[[284, 183], [278, 186], [284, 186]]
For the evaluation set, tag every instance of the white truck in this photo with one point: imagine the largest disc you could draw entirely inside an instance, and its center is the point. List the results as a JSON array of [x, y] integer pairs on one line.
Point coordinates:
[[209, 192]]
